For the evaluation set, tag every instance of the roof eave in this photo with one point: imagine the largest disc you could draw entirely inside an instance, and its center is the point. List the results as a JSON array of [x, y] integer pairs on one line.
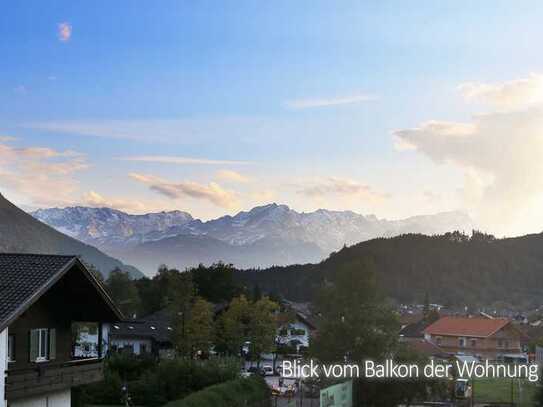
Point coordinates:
[[36, 296]]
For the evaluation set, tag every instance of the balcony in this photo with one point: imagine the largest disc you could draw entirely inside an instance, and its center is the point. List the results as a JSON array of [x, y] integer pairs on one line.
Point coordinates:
[[47, 377]]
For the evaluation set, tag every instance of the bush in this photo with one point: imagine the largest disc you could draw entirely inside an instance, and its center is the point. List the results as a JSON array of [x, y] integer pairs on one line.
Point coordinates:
[[174, 379], [156, 383], [239, 392]]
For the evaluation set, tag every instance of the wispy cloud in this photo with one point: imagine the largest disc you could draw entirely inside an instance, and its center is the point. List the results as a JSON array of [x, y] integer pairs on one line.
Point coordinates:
[[5, 139], [164, 159], [329, 101], [510, 94], [96, 200], [20, 90], [64, 31], [169, 131], [211, 192], [232, 176], [340, 187]]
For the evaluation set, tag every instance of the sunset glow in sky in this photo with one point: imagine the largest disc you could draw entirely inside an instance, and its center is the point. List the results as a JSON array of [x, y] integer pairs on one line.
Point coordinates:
[[210, 107]]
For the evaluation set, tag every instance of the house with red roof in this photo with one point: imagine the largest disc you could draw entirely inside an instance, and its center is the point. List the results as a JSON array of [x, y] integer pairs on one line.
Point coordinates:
[[485, 338]]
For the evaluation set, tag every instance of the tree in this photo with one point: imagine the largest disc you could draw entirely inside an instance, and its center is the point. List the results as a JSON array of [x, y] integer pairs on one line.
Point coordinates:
[[257, 293], [426, 307], [215, 283], [124, 292], [179, 300], [233, 325], [199, 327], [357, 324], [263, 327]]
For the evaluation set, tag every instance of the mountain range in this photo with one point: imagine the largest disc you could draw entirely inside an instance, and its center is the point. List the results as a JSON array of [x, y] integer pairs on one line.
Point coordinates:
[[22, 233], [266, 235]]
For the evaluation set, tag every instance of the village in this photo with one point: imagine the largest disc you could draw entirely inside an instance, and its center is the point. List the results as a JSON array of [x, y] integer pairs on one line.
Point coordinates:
[[59, 325], [245, 203]]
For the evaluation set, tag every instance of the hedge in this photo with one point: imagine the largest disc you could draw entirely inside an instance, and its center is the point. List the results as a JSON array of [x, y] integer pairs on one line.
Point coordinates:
[[155, 384], [234, 393]]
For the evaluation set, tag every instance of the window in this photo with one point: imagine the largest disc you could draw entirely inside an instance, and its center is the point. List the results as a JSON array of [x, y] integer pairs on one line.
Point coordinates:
[[11, 348], [42, 344], [143, 348], [462, 342], [500, 343], [438, 340], [473, 343]]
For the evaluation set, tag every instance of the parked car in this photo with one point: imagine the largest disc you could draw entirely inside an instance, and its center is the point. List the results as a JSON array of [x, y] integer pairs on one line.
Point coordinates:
[[256, 370], [245, 374], [268, 370]]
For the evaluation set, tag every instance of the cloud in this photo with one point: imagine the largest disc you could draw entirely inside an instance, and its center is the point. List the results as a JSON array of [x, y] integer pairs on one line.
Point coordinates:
[[96, 200], [182, 160], [341, 187], [169, 131], [64, 31], [499, 154], [43, 175], [211, 192], [327, 102], [232, 176], [5, 139], [20, 90], [507, 95]]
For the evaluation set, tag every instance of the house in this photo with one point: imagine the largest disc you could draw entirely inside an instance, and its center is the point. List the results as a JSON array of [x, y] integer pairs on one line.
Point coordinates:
[[146, 336], [425, 348], [44, 300], [415, 329], [297, 331], [485, 338]]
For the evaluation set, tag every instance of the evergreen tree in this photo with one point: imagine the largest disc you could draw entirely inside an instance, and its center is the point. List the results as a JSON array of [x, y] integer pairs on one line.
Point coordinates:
[[124, 292]]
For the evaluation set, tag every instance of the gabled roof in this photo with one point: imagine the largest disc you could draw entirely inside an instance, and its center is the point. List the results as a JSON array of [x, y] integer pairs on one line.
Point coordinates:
[[469, 327], [414, 330], [24, 278]]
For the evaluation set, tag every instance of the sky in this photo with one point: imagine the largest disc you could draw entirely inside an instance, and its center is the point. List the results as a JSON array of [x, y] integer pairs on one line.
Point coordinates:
[[379, 107]]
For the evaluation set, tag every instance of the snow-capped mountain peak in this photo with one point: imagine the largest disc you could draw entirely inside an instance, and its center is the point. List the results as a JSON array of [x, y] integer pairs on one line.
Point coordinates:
[[264, 235]]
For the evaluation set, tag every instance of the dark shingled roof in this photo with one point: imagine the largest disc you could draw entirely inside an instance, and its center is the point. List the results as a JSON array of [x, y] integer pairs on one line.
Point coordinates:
[[26, 277], [156, 326]]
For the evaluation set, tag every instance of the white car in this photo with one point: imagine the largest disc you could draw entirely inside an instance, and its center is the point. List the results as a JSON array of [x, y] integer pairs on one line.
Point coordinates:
[[268, 370]]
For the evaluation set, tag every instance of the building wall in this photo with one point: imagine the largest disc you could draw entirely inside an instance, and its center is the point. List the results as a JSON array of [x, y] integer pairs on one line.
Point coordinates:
[[3, 364], [303, 339], [54, 399], [41, 315], [504, 341], [136, 344]]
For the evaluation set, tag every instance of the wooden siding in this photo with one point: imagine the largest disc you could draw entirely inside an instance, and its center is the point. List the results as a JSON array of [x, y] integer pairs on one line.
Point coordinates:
[[49, 377]]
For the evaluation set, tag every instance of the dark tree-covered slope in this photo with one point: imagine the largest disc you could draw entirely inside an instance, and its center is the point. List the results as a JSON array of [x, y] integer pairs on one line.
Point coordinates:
[[22, 233], [453, 268]]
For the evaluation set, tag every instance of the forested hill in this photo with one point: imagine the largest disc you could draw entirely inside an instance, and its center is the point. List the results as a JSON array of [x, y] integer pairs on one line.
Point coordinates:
[[454, 269], [21, 233]]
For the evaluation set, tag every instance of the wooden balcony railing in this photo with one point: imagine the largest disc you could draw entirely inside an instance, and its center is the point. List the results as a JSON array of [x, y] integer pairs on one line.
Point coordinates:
[[47, 377]]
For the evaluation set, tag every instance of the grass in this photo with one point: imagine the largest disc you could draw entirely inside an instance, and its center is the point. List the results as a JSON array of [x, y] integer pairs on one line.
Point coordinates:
[[499, 390]]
